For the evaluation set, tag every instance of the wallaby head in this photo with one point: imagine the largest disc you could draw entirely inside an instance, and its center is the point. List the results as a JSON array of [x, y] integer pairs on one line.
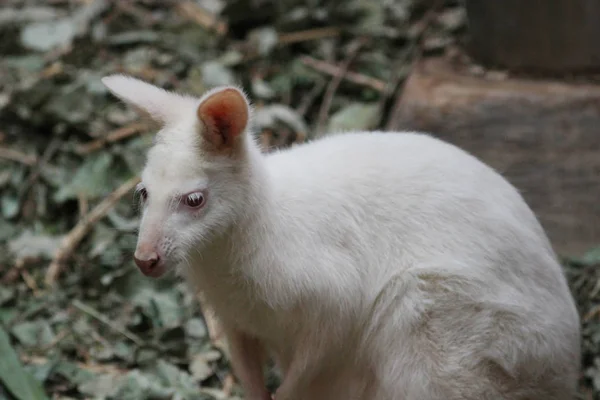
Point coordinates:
[[194, 180]]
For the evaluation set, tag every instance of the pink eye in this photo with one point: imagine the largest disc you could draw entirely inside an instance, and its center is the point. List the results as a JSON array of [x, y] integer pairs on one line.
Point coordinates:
[[194, 200], [143, 194]]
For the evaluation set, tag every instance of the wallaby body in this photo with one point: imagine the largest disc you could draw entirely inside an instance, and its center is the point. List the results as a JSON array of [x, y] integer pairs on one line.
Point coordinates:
[[370, 266]]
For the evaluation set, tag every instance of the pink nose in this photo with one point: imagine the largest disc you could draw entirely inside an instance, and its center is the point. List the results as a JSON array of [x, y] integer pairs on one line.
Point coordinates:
[[147, 263]]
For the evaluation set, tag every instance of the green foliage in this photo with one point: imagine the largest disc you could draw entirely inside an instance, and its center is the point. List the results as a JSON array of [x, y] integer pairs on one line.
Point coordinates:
[[17, 380], [105, 331]]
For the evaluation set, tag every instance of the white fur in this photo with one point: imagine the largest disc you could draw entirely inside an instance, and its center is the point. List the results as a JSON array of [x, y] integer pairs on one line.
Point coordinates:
[[371, 266]]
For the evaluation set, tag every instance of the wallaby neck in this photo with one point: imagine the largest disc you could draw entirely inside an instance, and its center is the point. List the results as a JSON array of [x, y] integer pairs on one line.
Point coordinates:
[[241, 265], [255, 222]]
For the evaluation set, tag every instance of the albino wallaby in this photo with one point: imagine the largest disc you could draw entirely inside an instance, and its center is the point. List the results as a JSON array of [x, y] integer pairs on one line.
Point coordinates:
[[368, 265]]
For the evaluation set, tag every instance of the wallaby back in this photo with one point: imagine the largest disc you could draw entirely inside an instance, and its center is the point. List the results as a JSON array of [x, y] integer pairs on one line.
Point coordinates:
[[369, 265]]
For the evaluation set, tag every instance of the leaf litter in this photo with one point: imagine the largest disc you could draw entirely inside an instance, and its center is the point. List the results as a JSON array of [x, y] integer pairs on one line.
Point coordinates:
[[76, 318]]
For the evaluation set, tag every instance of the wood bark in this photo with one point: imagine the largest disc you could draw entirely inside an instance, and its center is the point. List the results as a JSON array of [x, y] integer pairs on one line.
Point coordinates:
[[543, 136]]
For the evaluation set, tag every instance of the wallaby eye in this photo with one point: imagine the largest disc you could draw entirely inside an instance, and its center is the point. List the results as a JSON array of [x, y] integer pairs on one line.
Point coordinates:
[[143, 194], [194, 200]]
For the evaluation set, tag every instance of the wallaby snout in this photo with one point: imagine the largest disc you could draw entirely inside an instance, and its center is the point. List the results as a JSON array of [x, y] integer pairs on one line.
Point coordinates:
[[149, 261]]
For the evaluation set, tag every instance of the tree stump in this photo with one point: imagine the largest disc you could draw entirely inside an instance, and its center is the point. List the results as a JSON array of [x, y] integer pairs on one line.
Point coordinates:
[[543, 136]]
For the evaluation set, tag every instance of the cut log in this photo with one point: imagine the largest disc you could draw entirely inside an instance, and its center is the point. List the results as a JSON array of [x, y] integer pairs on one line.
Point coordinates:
[[543, 136], [555, 36]]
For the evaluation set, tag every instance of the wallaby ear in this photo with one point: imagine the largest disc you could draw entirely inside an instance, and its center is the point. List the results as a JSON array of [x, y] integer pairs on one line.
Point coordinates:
[[158, 104], [224, 112]]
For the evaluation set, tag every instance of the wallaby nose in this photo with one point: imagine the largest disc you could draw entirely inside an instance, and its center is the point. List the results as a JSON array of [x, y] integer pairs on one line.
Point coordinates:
[[147, 262]]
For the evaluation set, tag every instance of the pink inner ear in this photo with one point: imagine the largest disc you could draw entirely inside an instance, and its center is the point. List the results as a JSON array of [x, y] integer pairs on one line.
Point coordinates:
[[225, 115]]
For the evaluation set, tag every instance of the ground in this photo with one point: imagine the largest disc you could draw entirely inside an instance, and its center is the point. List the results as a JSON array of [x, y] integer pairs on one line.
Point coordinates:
[[77, 320]]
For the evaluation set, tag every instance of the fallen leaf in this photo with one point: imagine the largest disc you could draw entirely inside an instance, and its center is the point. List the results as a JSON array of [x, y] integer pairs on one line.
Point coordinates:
[[100, 386], [46, 35], [29, 244], [354, 117], [200, 368], [94, 178], [12, 374], [196, 328], [35, 333], [216, 74], [263, 39]]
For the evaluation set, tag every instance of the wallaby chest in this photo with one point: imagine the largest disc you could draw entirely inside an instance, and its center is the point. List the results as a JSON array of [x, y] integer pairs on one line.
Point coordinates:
[[238, 301]]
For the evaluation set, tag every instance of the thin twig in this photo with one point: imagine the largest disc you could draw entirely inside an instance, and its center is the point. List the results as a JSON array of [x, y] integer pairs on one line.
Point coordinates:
[[202, 17], [52, 70], [57, 339], [35, 173], [594, 311], [228, 383], [100, 339], [414, 51], [398, 75], [72, 239], [37, 170], [424, 23], [309, 98], [334, 84], [144, 17], [14, 155], [83, 205], [105, 320], [27, 278], [334, 70], [114, 136], [96, 368], [306, 35]]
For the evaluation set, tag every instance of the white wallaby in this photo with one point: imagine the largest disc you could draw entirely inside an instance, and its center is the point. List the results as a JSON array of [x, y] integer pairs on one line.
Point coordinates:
[[368, 265]]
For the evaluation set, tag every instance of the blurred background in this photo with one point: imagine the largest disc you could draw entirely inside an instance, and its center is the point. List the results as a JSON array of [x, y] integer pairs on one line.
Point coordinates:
[[513, 82]]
